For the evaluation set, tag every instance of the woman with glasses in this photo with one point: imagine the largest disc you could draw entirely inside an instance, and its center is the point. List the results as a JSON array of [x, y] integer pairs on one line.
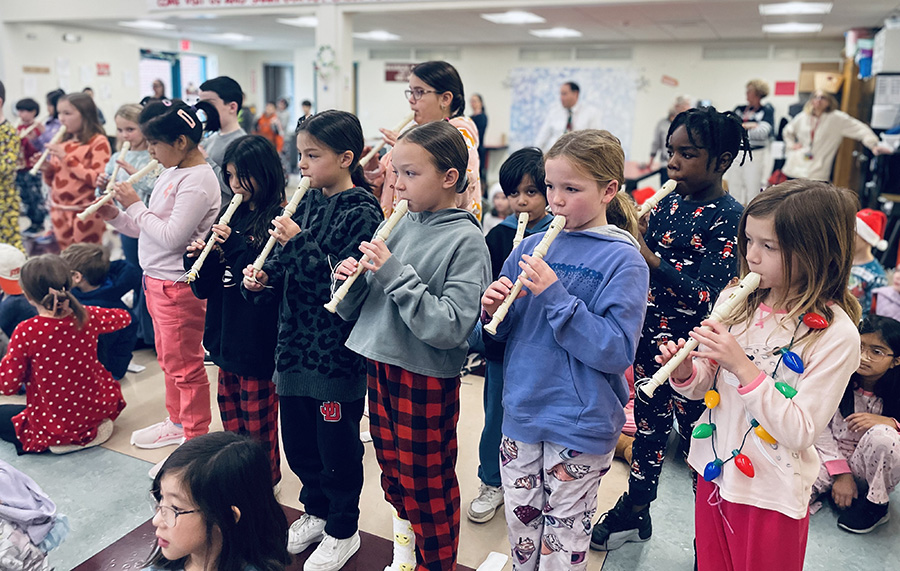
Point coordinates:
[[860, 450], [435, 94]]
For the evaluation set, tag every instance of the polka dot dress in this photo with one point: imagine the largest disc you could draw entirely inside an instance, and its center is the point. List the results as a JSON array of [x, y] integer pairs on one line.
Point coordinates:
[[68, 392]]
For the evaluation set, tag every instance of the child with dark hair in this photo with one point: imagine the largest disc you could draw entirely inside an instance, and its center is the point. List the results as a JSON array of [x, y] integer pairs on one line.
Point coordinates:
[[9, 198], [690, 246], [183, 206], [52, 124], [215, 508], [71, 399], [522, 181], [226, 96], [72, 169], [416, 306], [29, 185], [239, 336], [97, 281], [860, 450], [321, 383]]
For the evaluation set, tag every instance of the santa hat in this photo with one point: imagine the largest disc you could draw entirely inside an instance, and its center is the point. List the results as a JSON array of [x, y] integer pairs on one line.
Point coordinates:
[[870, 225]]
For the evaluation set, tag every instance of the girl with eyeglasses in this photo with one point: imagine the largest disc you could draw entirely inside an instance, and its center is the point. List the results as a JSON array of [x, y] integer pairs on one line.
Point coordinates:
[[435, 94], [214, 508], [860, 451]]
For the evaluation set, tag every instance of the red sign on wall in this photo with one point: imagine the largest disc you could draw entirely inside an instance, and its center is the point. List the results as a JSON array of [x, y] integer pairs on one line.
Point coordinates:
[[785, 88], [184, 45], [398, 72], [102, 69]]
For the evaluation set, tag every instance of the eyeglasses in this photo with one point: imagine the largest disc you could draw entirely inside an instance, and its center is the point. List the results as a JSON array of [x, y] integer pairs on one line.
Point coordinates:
[[873, 352], [169, 514], [417, 94]]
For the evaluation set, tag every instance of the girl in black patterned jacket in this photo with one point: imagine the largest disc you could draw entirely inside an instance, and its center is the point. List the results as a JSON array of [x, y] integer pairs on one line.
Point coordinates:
[[321, 384]]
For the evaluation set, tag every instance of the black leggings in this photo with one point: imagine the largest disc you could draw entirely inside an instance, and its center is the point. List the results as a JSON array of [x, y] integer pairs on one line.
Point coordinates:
[[7, 430]]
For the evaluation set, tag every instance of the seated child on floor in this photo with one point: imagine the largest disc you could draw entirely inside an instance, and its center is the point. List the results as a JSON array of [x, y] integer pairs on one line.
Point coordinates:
[[14, 308], [886, 299], [859, 450], [71, 399], [97, 281], [867, 273]]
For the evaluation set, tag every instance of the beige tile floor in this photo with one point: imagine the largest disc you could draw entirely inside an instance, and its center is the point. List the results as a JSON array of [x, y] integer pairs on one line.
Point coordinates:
[[144, 394]]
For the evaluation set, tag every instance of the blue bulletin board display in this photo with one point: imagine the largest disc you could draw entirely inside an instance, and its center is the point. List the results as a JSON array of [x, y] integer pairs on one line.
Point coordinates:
[[536, 89]]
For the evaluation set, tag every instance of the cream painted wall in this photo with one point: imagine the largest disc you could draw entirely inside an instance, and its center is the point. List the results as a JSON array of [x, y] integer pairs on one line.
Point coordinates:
[[41, 45], [381, 104]]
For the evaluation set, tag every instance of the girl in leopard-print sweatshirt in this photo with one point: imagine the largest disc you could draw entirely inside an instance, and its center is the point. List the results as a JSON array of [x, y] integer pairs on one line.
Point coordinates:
[[321, 384]]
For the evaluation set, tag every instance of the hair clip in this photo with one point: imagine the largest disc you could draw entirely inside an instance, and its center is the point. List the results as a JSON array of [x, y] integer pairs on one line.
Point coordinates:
[[187, 118]]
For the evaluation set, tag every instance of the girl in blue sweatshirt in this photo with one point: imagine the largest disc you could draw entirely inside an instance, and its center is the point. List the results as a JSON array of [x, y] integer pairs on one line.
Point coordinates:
[[570, 337]]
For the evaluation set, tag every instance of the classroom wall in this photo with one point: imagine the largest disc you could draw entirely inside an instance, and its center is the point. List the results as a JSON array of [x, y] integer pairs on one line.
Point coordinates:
[[484, 69]]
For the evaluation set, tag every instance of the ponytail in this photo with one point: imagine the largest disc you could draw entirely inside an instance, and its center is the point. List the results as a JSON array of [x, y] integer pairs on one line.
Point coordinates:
[[358, 176], [622, 212], [47, 281]]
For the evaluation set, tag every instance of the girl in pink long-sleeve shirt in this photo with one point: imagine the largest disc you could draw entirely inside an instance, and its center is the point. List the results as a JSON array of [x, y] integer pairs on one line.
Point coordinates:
[[183, 207], [754, 446]]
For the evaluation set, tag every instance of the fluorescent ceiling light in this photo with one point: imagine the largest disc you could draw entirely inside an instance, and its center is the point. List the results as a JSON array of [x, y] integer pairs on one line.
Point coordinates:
[[233, 37], [377, 36], [147, 25], [794, 8], [792, 28], [300, 22], [556, 33], [514, 17]]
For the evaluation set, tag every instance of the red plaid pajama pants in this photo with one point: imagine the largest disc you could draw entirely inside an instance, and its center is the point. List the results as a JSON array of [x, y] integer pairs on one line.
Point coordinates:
[[249, 406], [413, 419]]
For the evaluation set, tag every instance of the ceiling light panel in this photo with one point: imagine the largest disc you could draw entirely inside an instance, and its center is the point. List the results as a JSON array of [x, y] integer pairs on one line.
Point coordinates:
[[556, 33], [514, 17], [795, 8]]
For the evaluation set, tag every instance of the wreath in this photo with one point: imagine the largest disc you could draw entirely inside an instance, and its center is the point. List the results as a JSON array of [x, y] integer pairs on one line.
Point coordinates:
[[325, 65]]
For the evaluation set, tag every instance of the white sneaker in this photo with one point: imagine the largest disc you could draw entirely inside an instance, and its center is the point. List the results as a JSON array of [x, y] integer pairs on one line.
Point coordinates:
[[332, 553], [104, 431], [483, 508], [164, 433], [308, 529], [136, 368]]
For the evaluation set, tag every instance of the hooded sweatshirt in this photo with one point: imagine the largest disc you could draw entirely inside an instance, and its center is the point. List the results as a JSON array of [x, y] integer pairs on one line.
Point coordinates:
[[500, 243], [418, 309], [310, 358], [568, 348]]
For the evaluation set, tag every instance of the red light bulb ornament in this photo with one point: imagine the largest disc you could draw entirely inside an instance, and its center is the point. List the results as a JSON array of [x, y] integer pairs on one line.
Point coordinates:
[[743, 463], [814, 321]]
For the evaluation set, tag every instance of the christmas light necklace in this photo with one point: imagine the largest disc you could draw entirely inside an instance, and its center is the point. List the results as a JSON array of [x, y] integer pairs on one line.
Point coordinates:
[[711, 399]]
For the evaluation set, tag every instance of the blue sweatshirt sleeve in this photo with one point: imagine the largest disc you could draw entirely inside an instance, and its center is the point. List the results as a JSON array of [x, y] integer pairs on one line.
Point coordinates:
[[603, 337]]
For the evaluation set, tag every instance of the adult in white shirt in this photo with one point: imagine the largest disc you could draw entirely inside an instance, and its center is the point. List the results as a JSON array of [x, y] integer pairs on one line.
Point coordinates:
[[813, 137], [571, 116]]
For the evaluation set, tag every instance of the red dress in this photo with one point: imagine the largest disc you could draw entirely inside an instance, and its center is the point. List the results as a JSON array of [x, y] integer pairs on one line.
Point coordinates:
[[68, 392]]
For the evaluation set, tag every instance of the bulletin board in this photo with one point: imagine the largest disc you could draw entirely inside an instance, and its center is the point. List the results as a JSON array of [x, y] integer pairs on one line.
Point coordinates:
[[535, 90]]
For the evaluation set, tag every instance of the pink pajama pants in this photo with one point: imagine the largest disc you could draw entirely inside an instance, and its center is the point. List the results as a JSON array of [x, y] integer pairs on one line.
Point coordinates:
[[178, 319]]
